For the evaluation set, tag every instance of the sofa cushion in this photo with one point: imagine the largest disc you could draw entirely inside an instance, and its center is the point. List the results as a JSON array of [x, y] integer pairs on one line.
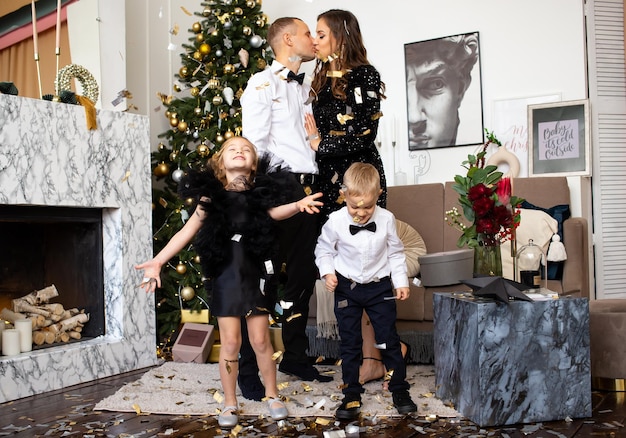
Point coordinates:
[[414, 246], [535, 225]]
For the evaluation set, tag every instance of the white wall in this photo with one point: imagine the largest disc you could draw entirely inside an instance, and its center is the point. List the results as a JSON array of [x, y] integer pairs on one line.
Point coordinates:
[[528, 49]]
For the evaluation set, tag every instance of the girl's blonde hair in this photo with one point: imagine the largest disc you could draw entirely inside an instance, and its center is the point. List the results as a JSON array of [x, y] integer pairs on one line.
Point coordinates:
[[217, 160]]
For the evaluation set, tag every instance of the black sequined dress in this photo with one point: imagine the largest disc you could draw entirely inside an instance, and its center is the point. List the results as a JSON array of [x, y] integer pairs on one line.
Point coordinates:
[[347, 131], [236, 241]]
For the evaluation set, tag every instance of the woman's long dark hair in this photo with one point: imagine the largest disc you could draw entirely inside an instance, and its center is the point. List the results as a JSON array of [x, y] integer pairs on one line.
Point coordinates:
[[351, 51]]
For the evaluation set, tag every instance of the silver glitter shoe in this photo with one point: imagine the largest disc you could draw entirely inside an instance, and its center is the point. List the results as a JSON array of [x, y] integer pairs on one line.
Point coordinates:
[[228, 417], [277, 413]]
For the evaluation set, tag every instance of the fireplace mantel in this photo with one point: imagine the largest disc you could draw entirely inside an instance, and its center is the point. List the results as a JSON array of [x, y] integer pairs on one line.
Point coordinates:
[[48, 157]]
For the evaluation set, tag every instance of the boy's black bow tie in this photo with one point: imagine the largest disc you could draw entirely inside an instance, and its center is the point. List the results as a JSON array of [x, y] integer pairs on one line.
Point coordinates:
[[291, 76], [369, 227]]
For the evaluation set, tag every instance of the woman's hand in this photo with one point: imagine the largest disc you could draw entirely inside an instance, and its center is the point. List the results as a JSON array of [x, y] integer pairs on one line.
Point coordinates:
[[309, 203], [313, 134]]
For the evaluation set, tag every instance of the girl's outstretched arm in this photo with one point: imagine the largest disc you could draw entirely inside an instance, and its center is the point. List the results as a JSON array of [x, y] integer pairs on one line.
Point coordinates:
[[307, 204], [152, 268]]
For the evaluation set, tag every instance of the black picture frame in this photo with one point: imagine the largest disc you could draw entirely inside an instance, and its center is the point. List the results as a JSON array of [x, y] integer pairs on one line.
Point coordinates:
[[558, 136], [444, 92]]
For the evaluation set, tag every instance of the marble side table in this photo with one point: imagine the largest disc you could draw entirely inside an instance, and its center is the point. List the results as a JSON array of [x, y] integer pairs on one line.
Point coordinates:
[[520, 362]]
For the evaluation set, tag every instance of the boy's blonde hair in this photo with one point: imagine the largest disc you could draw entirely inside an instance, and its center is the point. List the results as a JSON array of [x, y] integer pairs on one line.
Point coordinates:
[[361, 179], [217, 160]]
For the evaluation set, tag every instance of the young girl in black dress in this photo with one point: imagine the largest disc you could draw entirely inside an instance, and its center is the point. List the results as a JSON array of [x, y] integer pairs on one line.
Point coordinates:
[[232, 226]]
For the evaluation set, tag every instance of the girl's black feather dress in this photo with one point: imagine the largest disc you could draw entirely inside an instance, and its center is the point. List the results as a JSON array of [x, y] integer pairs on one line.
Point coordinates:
[[236, 242]]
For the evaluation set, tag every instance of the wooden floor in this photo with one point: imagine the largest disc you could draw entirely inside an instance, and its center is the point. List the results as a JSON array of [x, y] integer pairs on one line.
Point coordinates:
[[69, 412]]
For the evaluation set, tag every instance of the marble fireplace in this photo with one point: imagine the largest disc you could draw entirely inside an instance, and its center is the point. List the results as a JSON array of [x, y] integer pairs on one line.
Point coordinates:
[[48, 158]]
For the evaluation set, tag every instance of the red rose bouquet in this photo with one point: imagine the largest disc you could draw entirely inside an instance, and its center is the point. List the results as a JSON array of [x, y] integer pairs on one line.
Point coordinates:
[[487, 202]]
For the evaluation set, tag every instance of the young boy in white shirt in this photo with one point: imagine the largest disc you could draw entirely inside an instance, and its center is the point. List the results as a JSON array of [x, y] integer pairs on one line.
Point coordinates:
[[361, 259]]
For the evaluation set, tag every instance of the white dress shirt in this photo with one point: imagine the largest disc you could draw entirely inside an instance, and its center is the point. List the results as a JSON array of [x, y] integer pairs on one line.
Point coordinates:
[[272, 111], [365, 256]]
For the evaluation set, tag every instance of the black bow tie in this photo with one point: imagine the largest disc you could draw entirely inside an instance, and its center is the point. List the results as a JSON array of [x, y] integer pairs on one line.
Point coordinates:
[[369, 227], [291, 76]]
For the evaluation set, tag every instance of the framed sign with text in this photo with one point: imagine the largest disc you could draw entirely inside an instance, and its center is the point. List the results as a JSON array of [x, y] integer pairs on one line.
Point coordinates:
[[558, 134]]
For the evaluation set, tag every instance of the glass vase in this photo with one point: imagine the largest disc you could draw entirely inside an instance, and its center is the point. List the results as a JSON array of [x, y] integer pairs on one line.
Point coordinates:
[[487, 260]]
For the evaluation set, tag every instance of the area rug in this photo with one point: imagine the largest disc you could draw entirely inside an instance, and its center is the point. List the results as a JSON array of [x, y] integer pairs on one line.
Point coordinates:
[[194, 389]]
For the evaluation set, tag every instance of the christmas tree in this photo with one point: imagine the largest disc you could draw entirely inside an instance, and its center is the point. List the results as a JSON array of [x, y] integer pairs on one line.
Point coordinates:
[[226, 47]]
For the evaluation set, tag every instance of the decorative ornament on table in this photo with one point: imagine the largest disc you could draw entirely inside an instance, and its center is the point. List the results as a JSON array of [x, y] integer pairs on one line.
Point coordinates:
[[490, 208]]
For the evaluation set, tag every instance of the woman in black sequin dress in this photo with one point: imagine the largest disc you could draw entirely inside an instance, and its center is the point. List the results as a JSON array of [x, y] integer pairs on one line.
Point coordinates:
[[347, 91]]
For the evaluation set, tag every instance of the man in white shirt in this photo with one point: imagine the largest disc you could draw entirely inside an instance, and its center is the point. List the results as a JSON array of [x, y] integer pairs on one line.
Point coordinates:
[[273, 107]]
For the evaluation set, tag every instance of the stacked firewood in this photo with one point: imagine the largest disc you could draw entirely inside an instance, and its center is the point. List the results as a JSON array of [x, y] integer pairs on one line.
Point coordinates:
[[52, 323]]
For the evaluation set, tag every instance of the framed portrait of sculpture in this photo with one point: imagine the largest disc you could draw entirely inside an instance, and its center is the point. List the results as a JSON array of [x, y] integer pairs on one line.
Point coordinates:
[[559, 138], [444, 93]]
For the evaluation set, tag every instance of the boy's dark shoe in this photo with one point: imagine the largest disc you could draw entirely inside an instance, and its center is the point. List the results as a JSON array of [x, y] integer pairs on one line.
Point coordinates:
[[251, 386], [306, 372], [403, 403], [350, 407]]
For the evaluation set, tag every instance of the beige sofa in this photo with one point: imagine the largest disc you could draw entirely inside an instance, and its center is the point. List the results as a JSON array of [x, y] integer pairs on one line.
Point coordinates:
[[423, 206]]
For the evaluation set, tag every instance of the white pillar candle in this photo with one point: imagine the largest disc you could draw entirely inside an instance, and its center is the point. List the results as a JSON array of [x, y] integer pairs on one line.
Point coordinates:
[[3, 325], [25, 327], [10, 342]]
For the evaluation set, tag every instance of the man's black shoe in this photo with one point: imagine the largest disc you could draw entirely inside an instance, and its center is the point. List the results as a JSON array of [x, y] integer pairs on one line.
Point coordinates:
[[306, 372], [403, 403], [350, 407], [251, 387]]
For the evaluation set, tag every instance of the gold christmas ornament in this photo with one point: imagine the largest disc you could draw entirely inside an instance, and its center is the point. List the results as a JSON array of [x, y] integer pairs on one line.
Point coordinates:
[[251, 4], [217, 100], [176, 88], [181, 268], [196, 27], [229, 69], [161, 147], [204, 49], [174, 121], [173, 156], [229, 134], [197, 56], [247, 30], [261, 64], [199, 37], [162, 169], [197, 111], [187, 293], [86, 79], [196, 259], [194, 91], [189, 202], [202, 150], [182, 126], [213, 83], [238, 11], [219, 138], [206, 12], [183, 72]]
